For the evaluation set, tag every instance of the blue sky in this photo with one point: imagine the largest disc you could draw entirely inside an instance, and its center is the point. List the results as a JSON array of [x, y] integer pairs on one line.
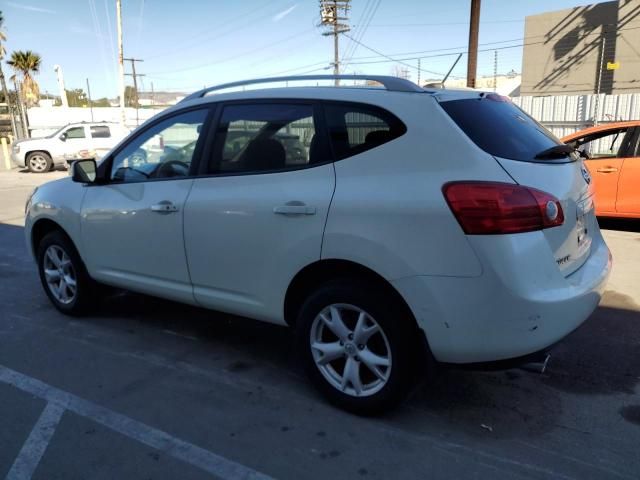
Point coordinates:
[[191, 43]]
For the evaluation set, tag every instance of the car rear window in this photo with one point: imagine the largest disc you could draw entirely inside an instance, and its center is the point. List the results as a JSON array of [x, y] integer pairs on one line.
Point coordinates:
[[499, 127]]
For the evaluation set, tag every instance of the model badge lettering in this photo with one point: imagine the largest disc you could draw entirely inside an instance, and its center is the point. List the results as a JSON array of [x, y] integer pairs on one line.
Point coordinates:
[[563, 260]]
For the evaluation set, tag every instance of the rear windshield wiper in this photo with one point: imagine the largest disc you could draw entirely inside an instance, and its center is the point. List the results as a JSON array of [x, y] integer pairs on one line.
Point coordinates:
[[557, 151]]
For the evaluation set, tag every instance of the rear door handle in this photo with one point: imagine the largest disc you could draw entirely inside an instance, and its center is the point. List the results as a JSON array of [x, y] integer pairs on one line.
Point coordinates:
[[607, 170], [164, 206], [294, 208]]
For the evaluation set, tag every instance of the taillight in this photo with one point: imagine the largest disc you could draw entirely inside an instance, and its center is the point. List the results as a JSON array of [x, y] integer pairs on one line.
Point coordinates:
[[484, 208]]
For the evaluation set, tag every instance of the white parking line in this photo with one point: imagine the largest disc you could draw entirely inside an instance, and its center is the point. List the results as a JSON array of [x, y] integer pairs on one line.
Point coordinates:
[[199, 457], [35, 446]]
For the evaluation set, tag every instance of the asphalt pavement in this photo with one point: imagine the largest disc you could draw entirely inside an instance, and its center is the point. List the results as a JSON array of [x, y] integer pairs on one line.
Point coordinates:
[[146, 388]]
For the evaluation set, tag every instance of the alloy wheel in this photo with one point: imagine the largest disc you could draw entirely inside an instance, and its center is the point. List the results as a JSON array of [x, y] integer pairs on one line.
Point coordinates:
[[38, 163], [59, 274], [351, 350]]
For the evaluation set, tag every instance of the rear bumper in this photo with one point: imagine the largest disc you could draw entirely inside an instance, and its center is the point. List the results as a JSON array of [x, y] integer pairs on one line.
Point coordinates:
[[519, 308]]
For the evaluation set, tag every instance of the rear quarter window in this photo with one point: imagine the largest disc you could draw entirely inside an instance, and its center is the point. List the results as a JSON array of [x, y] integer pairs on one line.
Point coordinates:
[[356, 128], [499, 127], [100, 131]]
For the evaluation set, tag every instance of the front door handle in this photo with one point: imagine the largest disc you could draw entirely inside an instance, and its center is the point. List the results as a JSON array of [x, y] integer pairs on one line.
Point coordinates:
[[607, 170], [294, 208], [164, 206]]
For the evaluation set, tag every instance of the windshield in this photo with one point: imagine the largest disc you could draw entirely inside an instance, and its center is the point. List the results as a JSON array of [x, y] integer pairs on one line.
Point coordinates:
[[57, 132], [500, 128]]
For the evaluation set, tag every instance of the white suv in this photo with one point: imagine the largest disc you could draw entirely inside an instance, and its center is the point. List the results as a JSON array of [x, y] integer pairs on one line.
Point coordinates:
[[71, 142], [408, 226]]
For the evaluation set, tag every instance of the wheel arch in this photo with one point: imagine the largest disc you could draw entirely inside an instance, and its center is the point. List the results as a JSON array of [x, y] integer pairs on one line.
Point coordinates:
[[41, 228], [317, 273], [37, 150]]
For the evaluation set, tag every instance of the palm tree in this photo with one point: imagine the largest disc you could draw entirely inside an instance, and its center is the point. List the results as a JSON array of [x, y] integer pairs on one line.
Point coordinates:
[[27, 63], [3, 83]]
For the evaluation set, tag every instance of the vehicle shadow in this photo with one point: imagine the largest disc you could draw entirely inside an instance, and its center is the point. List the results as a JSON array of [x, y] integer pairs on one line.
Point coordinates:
[[56, 168], [621, 224], [602, 357]]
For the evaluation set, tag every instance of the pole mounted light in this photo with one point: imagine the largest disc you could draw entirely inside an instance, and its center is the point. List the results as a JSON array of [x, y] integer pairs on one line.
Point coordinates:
[[63, 91]]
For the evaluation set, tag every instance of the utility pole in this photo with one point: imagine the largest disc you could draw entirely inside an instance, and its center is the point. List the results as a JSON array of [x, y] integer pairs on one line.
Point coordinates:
[[135, 83], [333, 16], [123, 117], [597, 106], [418, 72], [495, 70], [472, 58], [89, 95]]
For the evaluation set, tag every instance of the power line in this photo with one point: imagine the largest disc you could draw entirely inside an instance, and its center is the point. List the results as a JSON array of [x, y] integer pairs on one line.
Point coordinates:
[[233, 57], [438, 24], [361, 32], [327, 65], [390, 58], [359, 25], [519, 39], [227, 29]]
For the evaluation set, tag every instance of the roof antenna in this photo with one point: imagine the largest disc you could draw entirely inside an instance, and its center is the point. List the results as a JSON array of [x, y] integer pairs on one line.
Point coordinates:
[[450, 70]]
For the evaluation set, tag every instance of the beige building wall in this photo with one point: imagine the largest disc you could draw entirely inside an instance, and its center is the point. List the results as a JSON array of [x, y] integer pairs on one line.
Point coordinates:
[[564, 50]]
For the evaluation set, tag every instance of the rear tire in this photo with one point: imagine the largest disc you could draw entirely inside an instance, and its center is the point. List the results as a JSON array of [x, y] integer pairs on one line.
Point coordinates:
[[39, 162], [63, 275], [357, 345]]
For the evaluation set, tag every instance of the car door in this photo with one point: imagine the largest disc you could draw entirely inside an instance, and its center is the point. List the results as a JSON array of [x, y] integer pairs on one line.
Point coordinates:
[[603, 151], [74, 139], [132, 226], [257, 216], [101, 139], [628, 199]]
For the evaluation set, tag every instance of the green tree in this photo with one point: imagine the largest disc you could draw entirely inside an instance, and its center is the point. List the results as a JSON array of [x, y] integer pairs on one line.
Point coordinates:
[[77, 98], [26, 64], [129, 96], [101, 102]]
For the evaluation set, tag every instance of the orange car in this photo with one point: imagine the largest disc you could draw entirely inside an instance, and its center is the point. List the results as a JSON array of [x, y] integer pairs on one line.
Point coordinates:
[[612, 155]]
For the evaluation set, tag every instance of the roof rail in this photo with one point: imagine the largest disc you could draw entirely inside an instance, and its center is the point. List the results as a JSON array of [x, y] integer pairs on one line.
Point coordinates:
[[393, 84]]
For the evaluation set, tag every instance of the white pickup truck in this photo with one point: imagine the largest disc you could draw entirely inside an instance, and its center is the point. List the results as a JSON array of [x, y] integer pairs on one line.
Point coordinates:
[[71, 142]]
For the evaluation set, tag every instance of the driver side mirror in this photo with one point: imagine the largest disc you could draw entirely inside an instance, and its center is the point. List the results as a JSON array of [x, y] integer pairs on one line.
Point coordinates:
[[63, 137], [84, 171]]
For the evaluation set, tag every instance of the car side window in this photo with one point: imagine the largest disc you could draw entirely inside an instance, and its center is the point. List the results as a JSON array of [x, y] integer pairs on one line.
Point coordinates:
[[162, 151], [635, 152], [266, 137], [355, 128], [74, 132], [100, 131], [604, 145]]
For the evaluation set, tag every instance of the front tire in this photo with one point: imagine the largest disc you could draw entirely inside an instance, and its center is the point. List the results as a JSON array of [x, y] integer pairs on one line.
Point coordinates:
[[39, 162], [63, 275], [357, 345]]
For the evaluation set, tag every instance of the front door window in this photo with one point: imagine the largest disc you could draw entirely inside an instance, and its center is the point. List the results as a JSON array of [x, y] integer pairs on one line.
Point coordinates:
[[163, 151]]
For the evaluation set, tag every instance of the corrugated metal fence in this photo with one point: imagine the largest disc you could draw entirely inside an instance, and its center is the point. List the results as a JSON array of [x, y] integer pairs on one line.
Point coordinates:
[[565, 114]]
